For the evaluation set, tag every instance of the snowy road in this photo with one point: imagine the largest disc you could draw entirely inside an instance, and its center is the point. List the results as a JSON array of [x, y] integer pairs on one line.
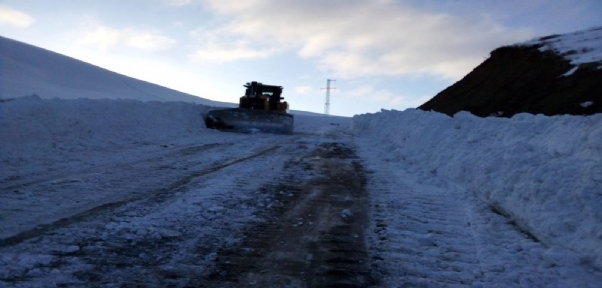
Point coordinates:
[[194, 215], [320, 208], [133, 176]]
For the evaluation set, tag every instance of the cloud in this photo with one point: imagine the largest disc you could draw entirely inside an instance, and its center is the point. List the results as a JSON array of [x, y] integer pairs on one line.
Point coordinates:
[[370, 94], [303, 89], [105, 38], [101, 37], [148, 40], [363, 38], [217, 48], [14, 17], [178, 3], [227, 53]]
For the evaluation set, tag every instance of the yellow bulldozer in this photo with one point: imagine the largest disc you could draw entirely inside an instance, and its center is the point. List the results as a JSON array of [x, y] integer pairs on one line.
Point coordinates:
[[261, 109]]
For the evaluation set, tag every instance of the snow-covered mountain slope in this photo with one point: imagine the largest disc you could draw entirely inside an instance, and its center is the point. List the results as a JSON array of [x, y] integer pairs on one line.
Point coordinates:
[[544, 173], [552, 75], [28, 70], [579, 48]]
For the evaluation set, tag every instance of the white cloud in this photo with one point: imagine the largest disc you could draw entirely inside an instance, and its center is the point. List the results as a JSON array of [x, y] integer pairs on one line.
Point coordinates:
[[368, 93], [14, 17], [101, 37], [148, 40], [105, 38], [216, 48], [217, 54], [178, 3], [362, 38], [303, 89], [388, 98]]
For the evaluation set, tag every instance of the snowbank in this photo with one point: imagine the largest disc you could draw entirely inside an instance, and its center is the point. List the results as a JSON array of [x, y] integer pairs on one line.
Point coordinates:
[[25, 120], [76, 133], [34, 130], [545, 172]]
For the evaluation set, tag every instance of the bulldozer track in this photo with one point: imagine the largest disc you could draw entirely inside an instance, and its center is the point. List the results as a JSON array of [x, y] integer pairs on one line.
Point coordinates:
[[302, 227], [432, 233], [315, 238], [302, 212], [425, 223], [56, 177], [158, 193]]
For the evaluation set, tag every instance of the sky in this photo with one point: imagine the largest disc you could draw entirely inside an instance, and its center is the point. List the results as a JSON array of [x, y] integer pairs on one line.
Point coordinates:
[[383, 54]]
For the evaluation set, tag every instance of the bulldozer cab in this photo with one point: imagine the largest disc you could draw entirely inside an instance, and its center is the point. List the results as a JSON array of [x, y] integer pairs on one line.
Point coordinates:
[[263, 97]]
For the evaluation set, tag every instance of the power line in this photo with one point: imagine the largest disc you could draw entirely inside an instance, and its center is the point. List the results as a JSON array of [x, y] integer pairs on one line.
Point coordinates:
[[328, 88]]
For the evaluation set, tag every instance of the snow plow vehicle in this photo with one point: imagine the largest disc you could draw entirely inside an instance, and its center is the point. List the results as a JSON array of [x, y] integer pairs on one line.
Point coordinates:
[[259, 110]]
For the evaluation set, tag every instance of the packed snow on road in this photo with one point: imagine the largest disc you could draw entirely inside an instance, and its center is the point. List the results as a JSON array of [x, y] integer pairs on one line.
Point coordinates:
[[123, 193]]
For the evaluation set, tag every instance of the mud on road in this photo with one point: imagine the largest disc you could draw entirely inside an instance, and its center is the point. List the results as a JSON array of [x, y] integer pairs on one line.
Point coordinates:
[[314, 239], [293, 215]]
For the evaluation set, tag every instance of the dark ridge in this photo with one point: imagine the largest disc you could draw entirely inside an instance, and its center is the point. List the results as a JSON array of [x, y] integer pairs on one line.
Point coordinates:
[[522, 79]]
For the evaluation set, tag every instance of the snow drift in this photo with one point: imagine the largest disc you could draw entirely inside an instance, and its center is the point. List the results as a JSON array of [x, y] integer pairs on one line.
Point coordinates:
[[30, 124], [545, 173]]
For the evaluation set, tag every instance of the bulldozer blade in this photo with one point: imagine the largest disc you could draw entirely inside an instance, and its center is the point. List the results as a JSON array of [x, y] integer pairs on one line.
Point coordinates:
[[249, 121]]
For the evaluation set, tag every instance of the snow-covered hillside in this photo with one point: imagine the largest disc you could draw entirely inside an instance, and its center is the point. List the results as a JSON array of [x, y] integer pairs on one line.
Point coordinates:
[[29, 70], [578, 47]]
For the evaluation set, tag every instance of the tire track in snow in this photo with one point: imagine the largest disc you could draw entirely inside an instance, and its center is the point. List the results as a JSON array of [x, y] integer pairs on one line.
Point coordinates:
[[164, 191], [427, 232], [62, 194], [56, 177], [421, 237], [160, 241], [314, 238]]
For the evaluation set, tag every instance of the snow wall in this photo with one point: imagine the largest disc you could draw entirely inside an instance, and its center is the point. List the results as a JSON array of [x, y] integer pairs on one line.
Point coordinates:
[[543, 172], [31, 127]]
